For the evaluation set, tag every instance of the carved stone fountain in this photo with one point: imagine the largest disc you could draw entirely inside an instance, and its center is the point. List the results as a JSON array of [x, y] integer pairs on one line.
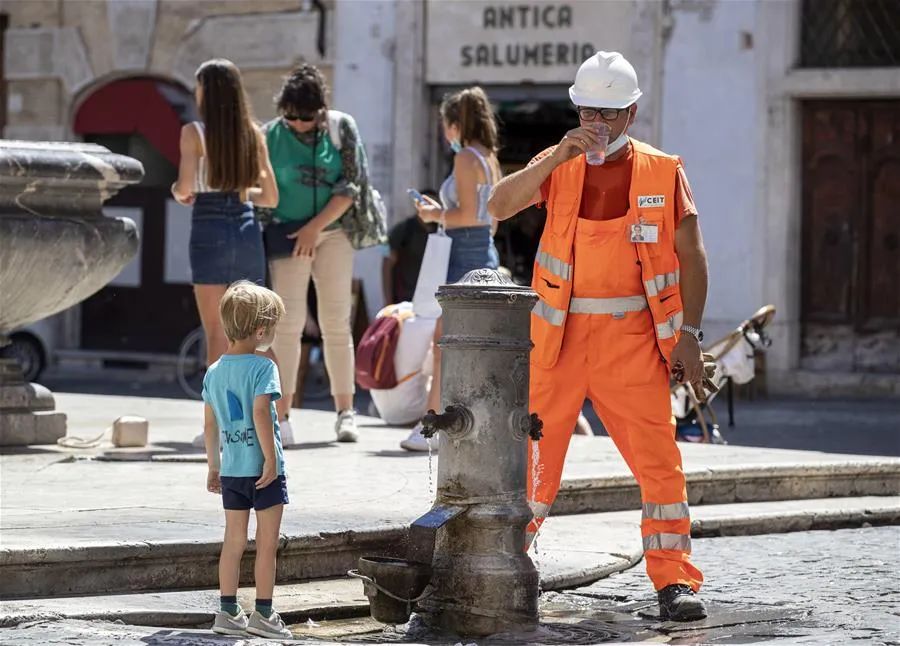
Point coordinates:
[[56, 249]]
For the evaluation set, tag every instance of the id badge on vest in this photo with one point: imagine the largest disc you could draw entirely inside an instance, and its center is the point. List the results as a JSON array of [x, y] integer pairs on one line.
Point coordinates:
[[642, 232]]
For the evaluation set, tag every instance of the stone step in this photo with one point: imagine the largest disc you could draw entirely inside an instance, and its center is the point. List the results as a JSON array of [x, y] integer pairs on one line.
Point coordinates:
[[155, 565], [572, 551], [739, 484]]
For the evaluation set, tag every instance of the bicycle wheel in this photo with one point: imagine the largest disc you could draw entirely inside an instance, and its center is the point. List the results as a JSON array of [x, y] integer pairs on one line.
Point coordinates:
[[191, 364]]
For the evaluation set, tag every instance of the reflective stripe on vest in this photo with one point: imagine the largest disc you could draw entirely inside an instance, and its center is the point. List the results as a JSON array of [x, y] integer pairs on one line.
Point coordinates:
[[680, 542], [550, 314], [661, 281], [607, 305], [554, 265], [672, 511], [668, 329]]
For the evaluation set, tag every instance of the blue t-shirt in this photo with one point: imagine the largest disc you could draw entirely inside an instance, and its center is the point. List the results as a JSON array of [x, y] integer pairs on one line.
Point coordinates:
[[230, 386]]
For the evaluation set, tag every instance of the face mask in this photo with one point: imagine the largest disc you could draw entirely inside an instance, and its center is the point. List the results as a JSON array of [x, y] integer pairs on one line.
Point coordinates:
[[455, 146], [617, 143]]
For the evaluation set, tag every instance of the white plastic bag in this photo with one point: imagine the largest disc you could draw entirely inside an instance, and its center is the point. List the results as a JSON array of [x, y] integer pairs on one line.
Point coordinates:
[[433, 274], [412, 347]]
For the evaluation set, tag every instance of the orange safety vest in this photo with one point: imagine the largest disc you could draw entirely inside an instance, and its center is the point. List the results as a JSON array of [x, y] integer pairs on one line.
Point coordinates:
[[651, 201]]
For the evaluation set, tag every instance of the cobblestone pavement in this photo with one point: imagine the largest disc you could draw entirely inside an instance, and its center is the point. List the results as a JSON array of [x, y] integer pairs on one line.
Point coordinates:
[[826, 587], [820, 587]]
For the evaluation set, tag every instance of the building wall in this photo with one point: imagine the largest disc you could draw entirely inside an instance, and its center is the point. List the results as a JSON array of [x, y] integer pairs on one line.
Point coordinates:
[[710, 111], [731, 109], [364, 86], [58, 52]]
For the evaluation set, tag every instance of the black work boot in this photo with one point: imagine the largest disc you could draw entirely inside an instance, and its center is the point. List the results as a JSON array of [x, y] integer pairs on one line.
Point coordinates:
[[679, 602]]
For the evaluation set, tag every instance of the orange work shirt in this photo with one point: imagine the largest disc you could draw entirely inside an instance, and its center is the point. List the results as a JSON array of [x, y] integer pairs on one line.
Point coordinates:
[[606, 188]]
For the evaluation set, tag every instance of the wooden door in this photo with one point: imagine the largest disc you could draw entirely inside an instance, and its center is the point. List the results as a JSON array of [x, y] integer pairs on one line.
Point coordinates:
[[851, 229]]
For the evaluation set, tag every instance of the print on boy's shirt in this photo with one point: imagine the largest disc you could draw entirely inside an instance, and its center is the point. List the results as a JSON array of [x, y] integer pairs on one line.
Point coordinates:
[[247, 437], [235, 410]]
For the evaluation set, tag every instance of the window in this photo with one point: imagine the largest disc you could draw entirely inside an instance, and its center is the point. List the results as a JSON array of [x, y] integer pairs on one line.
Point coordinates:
[[850, 33]]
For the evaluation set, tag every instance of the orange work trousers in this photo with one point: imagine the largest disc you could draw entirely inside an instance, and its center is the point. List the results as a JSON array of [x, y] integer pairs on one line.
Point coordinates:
[[612, 359]]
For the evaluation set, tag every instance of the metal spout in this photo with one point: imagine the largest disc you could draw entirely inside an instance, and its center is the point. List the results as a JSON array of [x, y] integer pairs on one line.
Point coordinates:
[[456, 421], [423, 532]]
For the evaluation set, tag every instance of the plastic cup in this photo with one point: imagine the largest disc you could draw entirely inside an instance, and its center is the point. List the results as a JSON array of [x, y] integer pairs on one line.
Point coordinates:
[[596, 155]]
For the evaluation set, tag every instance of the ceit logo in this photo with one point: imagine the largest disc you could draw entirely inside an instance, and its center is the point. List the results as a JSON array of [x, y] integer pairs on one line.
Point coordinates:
[[651, 201]]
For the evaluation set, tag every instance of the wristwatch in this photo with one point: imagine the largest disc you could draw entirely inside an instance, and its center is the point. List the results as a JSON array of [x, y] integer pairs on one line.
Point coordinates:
[[695, 332]]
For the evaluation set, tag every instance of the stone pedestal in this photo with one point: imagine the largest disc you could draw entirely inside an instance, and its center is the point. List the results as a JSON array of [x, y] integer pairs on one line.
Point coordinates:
[[56, 249], [26, 410]]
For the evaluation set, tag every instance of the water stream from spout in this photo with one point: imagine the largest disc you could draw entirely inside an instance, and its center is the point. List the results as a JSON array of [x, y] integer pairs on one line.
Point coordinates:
[[431, 490], [535, 485]]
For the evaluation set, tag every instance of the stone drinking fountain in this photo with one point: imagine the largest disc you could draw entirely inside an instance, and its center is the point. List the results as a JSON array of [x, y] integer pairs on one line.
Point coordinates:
[[466, 570], [56, 249]]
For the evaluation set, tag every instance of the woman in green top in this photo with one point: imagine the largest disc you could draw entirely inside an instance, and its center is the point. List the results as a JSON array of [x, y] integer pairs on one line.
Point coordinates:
[[315, 154]]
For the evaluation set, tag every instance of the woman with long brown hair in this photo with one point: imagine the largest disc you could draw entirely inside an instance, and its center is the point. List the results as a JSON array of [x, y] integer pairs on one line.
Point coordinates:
[[224, 171], [470, 129]]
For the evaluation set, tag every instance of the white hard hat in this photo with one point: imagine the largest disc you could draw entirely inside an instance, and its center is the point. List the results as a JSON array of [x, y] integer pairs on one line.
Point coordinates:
[[605, 80]]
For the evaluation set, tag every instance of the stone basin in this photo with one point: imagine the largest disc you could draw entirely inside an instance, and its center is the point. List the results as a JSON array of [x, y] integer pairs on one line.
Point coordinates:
[[56, 246], [56, 249]]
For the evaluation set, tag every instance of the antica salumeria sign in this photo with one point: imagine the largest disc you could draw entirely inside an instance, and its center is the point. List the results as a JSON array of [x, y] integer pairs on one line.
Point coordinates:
[[510, 42]]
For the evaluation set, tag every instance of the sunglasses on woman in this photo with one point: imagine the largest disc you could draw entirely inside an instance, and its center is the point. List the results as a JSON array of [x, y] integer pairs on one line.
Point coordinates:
[[309, 116]]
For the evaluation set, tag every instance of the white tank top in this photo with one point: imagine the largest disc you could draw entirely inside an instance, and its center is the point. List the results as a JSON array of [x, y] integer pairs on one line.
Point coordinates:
[[201, 186]]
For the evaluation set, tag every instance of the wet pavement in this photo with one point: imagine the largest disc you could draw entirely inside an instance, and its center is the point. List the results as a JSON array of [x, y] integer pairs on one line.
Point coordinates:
[[819, 587], [823, 587]]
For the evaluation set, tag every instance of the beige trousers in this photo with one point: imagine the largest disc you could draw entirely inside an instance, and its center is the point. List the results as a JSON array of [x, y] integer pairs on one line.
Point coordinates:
[[332, 269]]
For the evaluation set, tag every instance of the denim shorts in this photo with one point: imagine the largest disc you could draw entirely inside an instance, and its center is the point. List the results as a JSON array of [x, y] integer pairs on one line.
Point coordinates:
[[473, 248], [241, 493], [226, 241]]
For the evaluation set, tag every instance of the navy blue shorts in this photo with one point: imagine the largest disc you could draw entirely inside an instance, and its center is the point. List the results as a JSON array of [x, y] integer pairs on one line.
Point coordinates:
[[241, 493], [226, 241]]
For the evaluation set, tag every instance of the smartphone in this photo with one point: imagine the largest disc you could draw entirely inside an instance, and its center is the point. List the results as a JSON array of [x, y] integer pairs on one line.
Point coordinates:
[[415, 196]]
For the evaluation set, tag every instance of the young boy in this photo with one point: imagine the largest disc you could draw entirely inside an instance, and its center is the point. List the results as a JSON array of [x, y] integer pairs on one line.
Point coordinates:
[[240, 390]]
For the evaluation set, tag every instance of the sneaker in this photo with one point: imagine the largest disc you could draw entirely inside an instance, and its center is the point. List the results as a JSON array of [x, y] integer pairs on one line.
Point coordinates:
[[418, 442], [226, 624], [199, 442], [345, 427], [287, 433], [272, 627], [679, 602]]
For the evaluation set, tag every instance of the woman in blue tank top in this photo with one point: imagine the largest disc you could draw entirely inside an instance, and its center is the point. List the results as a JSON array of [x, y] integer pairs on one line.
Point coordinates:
[[470, 128]]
